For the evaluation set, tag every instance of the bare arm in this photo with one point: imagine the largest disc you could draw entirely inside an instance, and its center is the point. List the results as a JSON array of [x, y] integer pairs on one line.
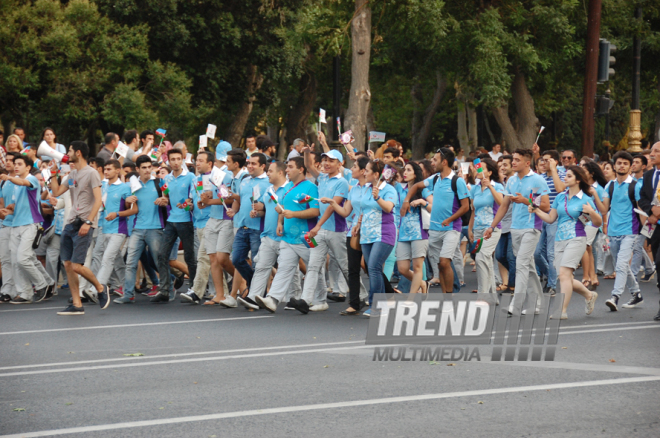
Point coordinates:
[[311, 169]]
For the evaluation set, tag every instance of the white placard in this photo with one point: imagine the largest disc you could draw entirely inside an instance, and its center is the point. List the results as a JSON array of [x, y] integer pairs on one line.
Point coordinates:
[[203, 141], [206, 180], [135, 184], [322, 116], [465, 168], [121, 149], [189, 158], [46, 174], [210, 131], [217, 176]]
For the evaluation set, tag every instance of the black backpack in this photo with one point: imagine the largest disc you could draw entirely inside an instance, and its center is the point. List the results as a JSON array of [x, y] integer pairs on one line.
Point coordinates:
[[465, 219]]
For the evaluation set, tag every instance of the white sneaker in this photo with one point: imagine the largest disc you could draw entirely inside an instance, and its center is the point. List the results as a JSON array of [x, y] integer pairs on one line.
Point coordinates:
[[319, 307], [536, 312], [564, 315], [266, 303], [229, 301], [590, 304]]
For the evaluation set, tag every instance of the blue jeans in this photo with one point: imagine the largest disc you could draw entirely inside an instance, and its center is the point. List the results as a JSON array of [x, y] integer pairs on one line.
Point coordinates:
[[544, 257], [504, 255], [621, 248], [246, 240], [136, 244], [375, 255]]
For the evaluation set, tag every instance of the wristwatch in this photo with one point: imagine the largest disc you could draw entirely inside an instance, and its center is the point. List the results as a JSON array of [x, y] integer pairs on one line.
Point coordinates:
[[88, 222], [376, 199]]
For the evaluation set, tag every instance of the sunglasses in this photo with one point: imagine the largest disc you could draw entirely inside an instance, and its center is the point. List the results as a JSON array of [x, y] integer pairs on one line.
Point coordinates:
[[566, 158]]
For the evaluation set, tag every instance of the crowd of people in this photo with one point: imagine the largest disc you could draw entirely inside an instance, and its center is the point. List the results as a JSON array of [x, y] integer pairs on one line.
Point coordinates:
[[258, 232]]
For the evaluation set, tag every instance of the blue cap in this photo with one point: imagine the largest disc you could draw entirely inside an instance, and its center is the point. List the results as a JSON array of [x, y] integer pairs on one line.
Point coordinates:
[[221, 150], [334, 154]]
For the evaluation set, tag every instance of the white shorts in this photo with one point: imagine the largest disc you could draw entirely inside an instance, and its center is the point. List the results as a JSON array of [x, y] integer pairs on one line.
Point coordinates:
[[411, 250], [568, 253], [218, 236], [444, 243], [591, 234]]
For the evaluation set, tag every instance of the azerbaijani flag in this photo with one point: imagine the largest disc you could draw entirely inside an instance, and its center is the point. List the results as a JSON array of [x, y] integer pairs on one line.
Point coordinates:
[[153, 156], [199, 186], [273, 196], [305, 199], [24, 151], [161, 132], [309, 241], [186, 206], [478, 166], [166, 190], [475, 247]]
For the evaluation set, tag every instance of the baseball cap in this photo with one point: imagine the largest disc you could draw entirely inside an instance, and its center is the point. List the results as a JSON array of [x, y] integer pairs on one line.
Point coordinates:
[[221, 150], [334, 154]]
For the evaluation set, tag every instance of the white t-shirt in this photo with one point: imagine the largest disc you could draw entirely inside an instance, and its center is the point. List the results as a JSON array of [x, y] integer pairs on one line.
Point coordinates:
[[495, 156]]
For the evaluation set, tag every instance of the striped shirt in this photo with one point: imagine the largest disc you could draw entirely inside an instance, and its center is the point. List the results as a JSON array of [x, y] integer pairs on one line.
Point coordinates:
[[551, 184]]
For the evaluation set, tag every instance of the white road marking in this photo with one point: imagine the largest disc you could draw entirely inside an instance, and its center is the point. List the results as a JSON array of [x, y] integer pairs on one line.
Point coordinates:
[[194, 321], [336, 405], [31, 308], [609, 368], [610, 330]]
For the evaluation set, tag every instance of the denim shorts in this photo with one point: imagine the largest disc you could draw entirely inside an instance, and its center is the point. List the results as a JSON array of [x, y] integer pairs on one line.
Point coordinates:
[[73, 247]]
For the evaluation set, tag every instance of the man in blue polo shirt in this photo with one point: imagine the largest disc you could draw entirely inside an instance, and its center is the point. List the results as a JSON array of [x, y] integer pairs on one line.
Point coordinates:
[[147, 230], [7, 187], [248, 236], [330, 230], [27, 217], [622, 228], [176, 194], [295, 220], [448, 207], [525, 227]]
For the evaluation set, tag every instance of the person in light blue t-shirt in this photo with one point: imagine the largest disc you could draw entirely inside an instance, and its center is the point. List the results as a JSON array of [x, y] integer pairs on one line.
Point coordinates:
[[525, 227], [7, 187], [572, 210]]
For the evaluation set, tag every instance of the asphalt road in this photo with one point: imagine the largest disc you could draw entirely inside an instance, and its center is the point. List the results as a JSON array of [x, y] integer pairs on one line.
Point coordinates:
[[213, 372]]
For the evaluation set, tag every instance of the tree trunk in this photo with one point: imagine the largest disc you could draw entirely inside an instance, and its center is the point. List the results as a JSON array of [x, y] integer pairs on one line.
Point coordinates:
[[657, 121], [371, 123], [422, 120], [509, 135], [528, 123], [282, 151], [473, 136], [484, 114], [360, 95], [462, 121], [298, 119], [237, 127]]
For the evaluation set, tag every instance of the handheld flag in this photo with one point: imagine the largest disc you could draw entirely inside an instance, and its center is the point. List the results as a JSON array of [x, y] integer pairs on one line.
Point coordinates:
[[199, 185], [203, 141], [256, 194], [539, 136], [305, 199], [135, 184], [153, 156], [166, 190], [475, 246], [338, 126], [161, 133], [346, 138], [274, 198], [186, 206], [309, 241], [376, 137], [210, 130], [478, 166], [24, 151], [223, 192]]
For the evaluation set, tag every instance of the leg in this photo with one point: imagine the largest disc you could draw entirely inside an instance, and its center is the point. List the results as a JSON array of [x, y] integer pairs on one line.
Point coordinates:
[[266, 259], [315, 264], [186, 233], [240, 253], [203, 266], [375, 255], [484, 261], [524, 245], [169, 236], [113, 244], [8, 287], [550, 232], [24, 258], [287, 263], [354, 284], [540, 254], [136, 245]]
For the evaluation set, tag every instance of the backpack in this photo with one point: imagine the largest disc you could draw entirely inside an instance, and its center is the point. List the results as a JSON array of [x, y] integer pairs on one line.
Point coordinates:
[[465, 219], [631, 196]]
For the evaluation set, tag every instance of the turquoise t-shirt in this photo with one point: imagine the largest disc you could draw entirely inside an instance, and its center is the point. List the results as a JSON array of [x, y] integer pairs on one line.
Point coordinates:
[[294, 228]]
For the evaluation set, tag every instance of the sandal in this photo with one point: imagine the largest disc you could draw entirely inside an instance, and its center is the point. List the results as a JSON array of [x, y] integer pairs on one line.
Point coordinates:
[[475, 291], [587, 284], [211, 303], [610, 277], [349, 312]]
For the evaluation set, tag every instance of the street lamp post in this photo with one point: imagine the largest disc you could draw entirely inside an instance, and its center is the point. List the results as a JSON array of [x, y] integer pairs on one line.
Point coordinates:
[[634, 131]]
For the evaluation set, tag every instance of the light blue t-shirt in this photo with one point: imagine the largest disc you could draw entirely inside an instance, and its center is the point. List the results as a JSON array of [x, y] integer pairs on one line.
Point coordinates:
[[179, 191], [355, 196], [329, 188], [378, 226], [200, 216], [114, 198], [445, 203], [149, 216], [623, 220], [568, 212], [7, 196], [485, 207], [411, 227], [26, 200], [533, 184], [294, 228], [271, 216], [246, 190], [602, 194]]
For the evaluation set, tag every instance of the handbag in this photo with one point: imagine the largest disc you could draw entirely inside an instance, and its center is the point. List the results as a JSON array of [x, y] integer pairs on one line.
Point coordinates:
[[48, 235], [37, 237], [426, 219], [355, 238]]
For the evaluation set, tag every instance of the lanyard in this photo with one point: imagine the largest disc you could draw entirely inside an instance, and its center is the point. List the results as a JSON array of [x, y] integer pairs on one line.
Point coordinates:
[[294, 186]]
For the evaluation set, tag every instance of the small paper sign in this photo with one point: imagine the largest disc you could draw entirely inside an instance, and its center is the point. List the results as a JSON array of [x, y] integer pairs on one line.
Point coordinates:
[[376, 137], [189, 158], [217, 176], [210, 131], [322, 116], [256, 193], [203, 141], [46, 174], [206, 180], [121, 149], [135, 184]]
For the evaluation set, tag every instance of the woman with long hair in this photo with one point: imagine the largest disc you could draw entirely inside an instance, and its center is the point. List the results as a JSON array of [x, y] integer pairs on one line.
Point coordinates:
[[14, 143], [596, 179], [487, 196], [568, 210], [413, 238], [48, 135], [377, 231], [351, 209]]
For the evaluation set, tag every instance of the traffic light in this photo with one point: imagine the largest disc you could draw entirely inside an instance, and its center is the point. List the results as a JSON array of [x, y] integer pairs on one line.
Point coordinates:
[[605, 60], [603, 105]]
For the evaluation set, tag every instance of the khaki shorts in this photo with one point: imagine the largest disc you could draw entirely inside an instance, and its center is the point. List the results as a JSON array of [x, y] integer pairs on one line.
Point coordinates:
[[218, 236], [443, 244], [591, 234], [411, 250], [568, 253]]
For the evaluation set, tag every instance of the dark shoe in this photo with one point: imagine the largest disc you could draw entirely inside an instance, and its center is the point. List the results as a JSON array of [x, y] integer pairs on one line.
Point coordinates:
[[337, 297], [160, 298], [20, 300], [72, 310], [178, 282], [613, 303], [49, 293], [40, 294], [91, 297], [104, 298], [190, 297], [248, 303], [647, 278], [82, 300], [634, 301], [5, 298], [657, 317], [349, 312], [301, 306]]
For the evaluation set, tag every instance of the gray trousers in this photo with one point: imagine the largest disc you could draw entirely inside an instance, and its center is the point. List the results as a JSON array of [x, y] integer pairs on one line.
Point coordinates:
[[28, 270], [269, 252], [458, 263], [328, 242], [112, 260], [8, 286], [336, 279], [287, 263], [484, 262], [527, 280], [203, 274], [53, 256]]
